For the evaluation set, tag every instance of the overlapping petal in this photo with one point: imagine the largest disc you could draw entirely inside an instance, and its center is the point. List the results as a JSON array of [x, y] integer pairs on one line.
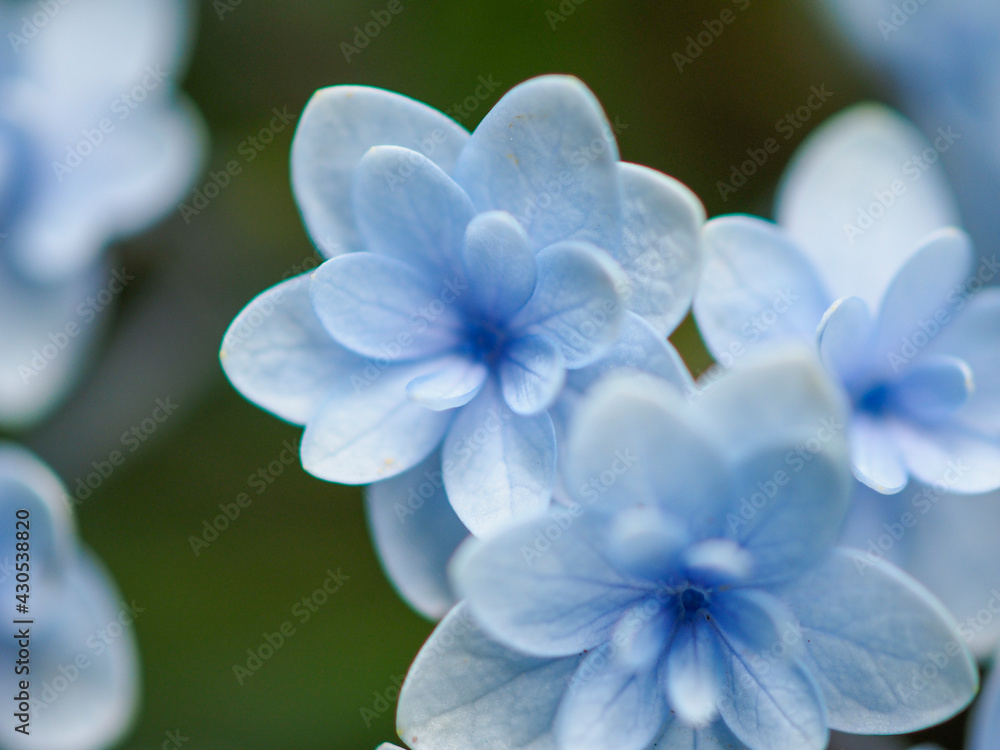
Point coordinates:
[[338, 126], [661, 245], [278, 354], [406, 207], [576, 302], [500, 265], [367, 428], [466, 690], [500, 466], [415, 532], [546, 154]]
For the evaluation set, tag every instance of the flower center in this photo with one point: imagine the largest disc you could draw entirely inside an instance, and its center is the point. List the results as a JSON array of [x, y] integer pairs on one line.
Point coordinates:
[[693, 600], [487, 342], [875, 400]]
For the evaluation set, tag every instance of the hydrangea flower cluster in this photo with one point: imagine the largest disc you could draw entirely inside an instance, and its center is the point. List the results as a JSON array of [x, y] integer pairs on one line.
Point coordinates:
[[641, 561]]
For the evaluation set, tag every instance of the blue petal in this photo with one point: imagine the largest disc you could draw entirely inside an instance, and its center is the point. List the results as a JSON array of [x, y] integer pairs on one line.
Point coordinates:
[[971, 336], [771, 703], [694, 672], [499, 466], [876, 459], [279, 356], [466, 691], [610, 709], [635, 441], [781, 423], [337, 127], [661, 245], [546, 587], [965, 459], [546, 154], [838, 173], [756, 286], [367, 429], [919, 294], [887, 655], [499, 264], [381, 307], [35, 374], [933, 389], [415, 533], [456, 382], [532, 373], [637, 347], [407, 208], [844, 337], [576, 302]]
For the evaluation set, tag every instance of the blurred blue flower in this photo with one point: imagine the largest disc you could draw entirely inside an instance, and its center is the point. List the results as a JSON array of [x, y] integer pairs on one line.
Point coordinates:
[[478, 270], [864, 264], [942, 64], [691, 596], [95, 144], [82, 664]]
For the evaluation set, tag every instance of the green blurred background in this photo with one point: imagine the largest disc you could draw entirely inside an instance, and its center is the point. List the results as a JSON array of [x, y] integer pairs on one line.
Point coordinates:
[[202, 613]]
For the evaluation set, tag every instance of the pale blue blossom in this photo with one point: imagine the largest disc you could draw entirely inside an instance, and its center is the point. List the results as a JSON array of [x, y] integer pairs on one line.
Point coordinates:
[[866, 264], [479, 272], [82, 664], [941, 62], [692, 595], [96, 143]]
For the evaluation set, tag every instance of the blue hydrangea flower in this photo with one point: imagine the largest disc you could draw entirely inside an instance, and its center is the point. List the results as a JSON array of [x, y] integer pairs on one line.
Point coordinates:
[[947, 542], [477, 271], [862, 265], [84, 669], [95, 144], [692, 597]]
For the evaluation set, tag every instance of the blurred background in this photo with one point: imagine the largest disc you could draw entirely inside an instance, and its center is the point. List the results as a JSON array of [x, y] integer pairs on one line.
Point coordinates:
[[332, 684]]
